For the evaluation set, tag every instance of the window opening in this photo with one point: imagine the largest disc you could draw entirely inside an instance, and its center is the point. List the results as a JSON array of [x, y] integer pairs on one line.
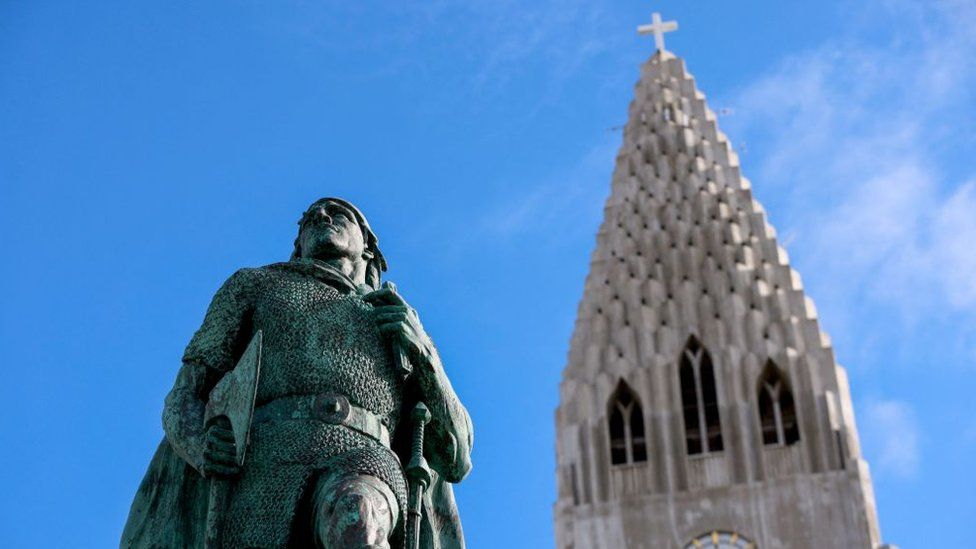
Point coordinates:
[[699, 400], [777, 410], [627, 441]]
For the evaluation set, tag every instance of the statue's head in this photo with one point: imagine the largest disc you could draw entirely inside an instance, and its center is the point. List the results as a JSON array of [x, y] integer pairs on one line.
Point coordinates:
[[332, 228]]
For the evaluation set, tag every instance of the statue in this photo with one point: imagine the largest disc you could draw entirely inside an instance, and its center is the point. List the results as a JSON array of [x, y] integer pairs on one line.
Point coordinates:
[[301, 411]]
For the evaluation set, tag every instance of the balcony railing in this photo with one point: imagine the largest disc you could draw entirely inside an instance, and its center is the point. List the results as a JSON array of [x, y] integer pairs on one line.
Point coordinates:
[[709, 470]]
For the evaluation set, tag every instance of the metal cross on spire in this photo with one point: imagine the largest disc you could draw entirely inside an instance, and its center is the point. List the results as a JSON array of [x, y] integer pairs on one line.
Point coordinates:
[[658, 28]]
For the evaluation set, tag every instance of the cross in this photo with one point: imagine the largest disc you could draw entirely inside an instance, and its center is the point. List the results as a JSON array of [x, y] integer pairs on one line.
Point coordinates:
[[658, 28]]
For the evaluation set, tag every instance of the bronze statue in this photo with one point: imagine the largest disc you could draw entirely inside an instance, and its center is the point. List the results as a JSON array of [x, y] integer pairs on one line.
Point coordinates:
[[307, 444]]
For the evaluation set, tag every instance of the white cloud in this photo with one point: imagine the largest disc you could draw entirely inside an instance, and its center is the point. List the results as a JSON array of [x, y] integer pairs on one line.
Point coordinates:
[[889, 435], [853, 135], [954, 260]]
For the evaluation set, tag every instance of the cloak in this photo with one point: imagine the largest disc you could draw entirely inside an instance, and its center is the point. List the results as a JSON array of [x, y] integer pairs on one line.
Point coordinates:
[[170, 509]]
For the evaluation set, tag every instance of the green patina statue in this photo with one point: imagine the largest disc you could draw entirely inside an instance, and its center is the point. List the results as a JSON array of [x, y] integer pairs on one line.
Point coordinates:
[[311, 410]]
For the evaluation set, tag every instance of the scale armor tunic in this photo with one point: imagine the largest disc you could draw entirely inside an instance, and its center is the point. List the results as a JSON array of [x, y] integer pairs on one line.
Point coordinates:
[[319, 337]]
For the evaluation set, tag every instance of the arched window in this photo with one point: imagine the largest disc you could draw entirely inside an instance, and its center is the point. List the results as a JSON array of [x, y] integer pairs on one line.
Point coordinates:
[[699, 401], [627, 443], [777, 412]]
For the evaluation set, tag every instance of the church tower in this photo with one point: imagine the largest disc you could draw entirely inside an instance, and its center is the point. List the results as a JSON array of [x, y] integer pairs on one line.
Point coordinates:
[[701, 404]]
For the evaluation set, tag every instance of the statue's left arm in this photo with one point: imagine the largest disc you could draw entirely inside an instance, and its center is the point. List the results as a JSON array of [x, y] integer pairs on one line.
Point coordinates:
[[450, 434]]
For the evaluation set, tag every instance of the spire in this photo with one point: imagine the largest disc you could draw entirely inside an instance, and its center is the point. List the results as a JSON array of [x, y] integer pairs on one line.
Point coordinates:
[[658, 28], [684, 249], [688, 297]]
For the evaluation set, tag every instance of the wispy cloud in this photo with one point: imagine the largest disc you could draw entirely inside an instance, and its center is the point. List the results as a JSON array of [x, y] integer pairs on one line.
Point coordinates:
[[557, 37], [857, 138], [568, 201], [495, 42], [969, 434], [889, 434]]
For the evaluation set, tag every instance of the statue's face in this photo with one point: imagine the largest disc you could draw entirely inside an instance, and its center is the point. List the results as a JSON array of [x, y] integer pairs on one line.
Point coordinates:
[[329, 230]]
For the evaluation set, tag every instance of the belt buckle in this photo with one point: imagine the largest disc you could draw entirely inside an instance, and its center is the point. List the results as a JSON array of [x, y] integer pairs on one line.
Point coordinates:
[[332, 408]]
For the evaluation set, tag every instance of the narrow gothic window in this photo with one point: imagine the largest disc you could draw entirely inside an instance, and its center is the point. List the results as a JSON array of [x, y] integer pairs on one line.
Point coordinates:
[[699, 400], [777, 412], [627, 442]]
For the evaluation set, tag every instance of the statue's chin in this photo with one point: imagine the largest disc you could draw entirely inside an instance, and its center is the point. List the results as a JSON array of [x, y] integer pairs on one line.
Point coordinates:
[[323, 248]]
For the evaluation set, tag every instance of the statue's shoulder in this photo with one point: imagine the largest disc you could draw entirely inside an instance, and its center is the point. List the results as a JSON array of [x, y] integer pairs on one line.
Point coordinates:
[[245, 274], [252, 281], [249, 278], [272, 271]]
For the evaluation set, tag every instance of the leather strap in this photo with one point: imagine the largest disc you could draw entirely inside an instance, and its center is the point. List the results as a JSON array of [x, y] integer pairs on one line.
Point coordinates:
[[330, 408]]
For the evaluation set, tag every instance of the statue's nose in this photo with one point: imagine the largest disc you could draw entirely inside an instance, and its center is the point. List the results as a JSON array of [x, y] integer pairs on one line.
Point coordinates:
[[322, 214]]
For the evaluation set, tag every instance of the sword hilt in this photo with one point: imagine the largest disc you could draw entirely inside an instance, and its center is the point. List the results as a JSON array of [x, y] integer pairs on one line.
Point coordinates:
[[418, 474], [400, 357], [418, 469]]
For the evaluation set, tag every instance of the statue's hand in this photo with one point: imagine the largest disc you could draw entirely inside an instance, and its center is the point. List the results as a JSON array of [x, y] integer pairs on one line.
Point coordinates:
[[399, 322], [220, 452]]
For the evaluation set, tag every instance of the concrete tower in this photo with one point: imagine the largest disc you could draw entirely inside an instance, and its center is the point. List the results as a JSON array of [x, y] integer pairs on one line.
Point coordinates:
[[701, 405]]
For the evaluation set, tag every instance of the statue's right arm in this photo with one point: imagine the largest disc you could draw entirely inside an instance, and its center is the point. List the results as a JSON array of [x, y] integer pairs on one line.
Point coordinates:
[[212, 352], [183, 414]]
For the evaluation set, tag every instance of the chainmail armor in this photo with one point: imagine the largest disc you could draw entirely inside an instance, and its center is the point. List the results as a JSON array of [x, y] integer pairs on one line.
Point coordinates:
[[317, 339]]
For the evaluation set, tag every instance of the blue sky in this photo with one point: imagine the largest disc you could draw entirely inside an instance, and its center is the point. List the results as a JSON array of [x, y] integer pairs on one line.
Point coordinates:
[[147, 150]]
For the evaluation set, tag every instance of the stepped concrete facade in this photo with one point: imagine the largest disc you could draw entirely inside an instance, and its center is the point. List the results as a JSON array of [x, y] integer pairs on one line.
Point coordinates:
[[701, 405]]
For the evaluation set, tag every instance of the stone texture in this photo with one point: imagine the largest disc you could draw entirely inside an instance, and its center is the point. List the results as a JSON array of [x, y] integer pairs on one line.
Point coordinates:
[[685, 250]]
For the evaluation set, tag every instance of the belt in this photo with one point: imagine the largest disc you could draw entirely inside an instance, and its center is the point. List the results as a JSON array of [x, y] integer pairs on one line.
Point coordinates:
[[330, 408]]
